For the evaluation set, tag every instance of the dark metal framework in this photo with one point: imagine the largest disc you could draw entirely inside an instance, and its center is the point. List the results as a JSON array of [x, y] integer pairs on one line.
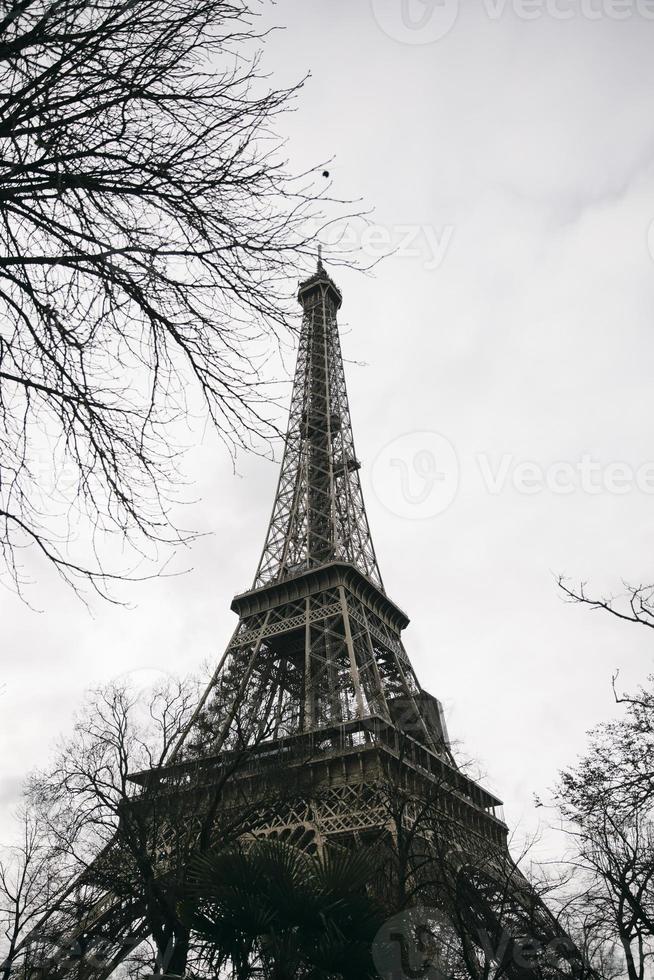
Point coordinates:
[[315, 683], [318, 515], [318, 640]]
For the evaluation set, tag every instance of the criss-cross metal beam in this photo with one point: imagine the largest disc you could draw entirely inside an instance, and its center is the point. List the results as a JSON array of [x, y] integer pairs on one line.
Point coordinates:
[[315, 684], [319, 513]]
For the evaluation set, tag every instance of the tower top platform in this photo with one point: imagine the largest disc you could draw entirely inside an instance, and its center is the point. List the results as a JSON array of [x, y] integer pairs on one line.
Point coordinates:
[[320, 283]]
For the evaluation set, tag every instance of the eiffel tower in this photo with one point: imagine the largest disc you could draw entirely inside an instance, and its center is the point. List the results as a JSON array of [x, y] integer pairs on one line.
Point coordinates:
[[315, 682]]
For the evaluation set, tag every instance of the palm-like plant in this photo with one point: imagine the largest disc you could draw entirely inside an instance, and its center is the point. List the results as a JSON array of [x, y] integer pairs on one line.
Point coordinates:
[[269, 909]]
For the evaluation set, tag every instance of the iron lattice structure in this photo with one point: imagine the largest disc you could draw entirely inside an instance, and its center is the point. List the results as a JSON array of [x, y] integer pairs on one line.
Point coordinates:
[[315, 695], [318, 641], [319, 515]]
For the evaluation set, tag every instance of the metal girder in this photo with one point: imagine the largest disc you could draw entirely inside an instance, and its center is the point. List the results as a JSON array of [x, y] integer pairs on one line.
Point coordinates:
[[318, 641], [319, 513], [315, 680]]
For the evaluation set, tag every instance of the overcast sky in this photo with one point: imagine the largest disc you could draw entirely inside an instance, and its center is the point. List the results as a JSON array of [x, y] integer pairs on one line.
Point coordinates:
[[504, 362]]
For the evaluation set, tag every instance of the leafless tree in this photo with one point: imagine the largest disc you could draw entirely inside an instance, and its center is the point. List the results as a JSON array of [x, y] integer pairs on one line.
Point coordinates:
[[149, 230], [607, 802], [30, 880], [125, 816], [615, 879], [470, 910], [593, 935]]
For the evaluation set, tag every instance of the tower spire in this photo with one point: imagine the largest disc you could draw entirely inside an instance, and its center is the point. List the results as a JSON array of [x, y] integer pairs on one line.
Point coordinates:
[[319, 514]]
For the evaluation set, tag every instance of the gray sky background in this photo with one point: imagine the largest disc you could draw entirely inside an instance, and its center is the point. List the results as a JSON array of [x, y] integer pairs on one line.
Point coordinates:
[[518, 329]]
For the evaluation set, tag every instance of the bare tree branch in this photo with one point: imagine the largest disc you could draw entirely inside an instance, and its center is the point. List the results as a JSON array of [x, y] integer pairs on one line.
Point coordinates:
[[636, 605], [150, 233], [607, 802]]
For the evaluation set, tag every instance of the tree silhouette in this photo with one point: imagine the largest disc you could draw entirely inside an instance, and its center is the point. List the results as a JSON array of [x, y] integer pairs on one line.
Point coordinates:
[[148, 228], [270, 909]]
